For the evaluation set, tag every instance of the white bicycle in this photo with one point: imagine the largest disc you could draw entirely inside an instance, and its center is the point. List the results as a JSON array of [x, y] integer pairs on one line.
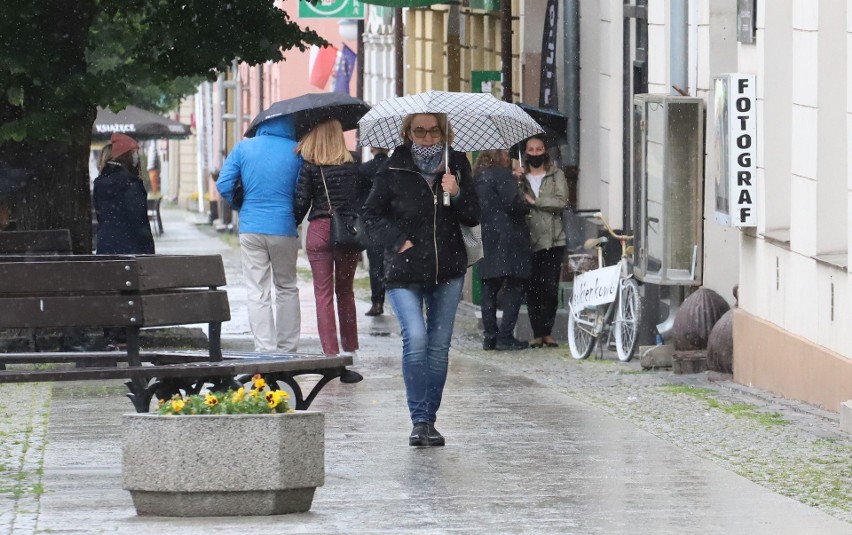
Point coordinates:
[[605, 301]]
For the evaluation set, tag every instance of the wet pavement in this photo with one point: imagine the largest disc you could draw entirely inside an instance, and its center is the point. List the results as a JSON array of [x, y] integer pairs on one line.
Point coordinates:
[[523, 455]]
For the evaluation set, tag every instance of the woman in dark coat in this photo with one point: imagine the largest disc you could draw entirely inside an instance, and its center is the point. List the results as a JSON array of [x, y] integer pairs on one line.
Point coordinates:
[[120, 202], [121, 208], [506, 245], [425, 257]]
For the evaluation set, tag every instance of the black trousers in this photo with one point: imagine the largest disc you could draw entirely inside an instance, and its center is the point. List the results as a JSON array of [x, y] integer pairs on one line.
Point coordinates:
[[541, 289], [376, 258], [513, 296]]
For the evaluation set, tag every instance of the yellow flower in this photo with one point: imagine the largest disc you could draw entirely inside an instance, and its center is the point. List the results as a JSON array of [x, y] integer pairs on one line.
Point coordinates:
[[272, 399], [254, 394], [239, 395], [210, 399], [177, 405], [258, 381]]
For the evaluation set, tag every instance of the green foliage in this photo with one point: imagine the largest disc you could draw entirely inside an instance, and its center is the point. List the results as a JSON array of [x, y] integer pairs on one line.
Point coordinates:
[[260, 399], [59, 59]]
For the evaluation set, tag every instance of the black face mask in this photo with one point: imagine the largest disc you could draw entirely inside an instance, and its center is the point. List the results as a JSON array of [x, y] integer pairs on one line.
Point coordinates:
[[536, 161]]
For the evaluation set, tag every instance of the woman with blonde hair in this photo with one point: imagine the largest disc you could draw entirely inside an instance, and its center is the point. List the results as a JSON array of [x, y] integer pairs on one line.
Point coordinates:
[[329, 182], [418, 201]]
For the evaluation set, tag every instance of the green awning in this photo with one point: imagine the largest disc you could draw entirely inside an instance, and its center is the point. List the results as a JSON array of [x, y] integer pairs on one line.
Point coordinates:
[[405, 3]]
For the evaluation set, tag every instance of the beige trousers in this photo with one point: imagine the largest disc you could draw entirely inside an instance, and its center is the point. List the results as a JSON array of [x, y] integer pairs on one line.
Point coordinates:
[[269, 262]]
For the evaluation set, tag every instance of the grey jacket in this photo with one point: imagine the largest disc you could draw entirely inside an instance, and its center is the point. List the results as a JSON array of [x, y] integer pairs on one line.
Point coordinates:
[[545, 217]]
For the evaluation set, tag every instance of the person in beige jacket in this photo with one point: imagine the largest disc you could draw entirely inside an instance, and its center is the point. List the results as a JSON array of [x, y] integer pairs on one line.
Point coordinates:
[[545, 190]]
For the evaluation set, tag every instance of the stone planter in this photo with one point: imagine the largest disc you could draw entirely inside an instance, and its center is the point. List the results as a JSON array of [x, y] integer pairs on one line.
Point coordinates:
[[223, 465]]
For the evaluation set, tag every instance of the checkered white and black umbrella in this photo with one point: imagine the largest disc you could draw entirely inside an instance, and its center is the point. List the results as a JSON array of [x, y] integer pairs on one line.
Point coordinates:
[[479, 121]]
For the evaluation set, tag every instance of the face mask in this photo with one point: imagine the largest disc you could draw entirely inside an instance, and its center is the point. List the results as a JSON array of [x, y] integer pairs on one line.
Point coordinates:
[[427, 152], [135, 158], [537, 160]]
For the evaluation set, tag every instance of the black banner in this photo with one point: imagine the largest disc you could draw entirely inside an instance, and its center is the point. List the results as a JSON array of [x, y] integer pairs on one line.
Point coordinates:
[[547, 96]]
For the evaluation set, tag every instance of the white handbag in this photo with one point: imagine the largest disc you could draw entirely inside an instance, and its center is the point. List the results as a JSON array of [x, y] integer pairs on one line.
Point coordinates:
[[472, 237]]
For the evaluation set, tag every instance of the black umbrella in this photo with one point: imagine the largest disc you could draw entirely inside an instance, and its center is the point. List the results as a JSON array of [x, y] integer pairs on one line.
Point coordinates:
[[555, 123], [309, 110], [138, 124], [11, 180]]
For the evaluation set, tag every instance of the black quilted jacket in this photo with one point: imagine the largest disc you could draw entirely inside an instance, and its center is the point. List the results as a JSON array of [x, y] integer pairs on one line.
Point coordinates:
[[401, 206], [345, 188]]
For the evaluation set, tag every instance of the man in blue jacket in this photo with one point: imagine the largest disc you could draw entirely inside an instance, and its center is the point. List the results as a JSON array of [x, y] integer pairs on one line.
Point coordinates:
[[268, 168]]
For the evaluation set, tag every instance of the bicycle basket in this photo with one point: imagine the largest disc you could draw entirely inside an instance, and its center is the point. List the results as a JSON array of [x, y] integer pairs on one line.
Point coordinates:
[[581, 263]]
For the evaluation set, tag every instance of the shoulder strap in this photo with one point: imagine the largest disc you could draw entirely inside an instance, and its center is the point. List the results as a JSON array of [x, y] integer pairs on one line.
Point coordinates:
[[330, 209]]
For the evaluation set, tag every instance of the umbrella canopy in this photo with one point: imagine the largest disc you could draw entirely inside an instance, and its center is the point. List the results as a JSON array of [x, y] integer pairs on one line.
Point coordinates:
[[479, 121], [311, 109], [11, 180], [138, 124], [555, 123], [406, 3]]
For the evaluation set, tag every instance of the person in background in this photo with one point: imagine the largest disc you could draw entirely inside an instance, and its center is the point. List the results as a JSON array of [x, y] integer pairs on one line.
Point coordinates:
[[153, 166], [506, 247], [425, 256], [119, 199], [546, 192], [375, 253], [329, 181], [268, 168], [121, 210]]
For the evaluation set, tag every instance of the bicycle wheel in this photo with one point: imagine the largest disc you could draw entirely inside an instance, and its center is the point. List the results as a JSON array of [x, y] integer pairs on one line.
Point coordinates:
[[627, 320], [581, 332]]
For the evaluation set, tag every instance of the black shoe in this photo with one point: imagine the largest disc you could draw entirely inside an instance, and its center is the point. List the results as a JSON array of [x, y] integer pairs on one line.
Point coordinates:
[[376, 310], [510, 344], [419, 435], [489, 342], [349, 377], [434, 437]]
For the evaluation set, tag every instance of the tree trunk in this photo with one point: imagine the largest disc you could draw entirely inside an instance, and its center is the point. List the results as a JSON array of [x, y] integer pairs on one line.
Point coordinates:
[[59, 196], [59, 115]]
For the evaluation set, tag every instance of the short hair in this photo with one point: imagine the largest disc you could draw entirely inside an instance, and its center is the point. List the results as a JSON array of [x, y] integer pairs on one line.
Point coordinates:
[[324, 144], [442, 122]]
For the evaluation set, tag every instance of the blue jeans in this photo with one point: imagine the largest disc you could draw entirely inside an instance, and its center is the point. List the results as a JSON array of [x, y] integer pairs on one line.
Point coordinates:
[[426, 342]]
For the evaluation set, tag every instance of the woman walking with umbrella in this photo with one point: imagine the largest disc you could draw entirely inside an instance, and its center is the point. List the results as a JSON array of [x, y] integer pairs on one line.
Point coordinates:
[[425, 257]]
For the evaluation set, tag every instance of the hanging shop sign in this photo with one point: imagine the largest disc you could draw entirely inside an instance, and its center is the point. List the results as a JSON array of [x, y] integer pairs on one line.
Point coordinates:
[[547, 97], [331, 9], [735, 150]]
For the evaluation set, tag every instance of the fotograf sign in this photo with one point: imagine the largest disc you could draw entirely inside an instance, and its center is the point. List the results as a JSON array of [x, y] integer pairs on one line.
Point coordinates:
[[736, 150], [596, 287], [331, 9]]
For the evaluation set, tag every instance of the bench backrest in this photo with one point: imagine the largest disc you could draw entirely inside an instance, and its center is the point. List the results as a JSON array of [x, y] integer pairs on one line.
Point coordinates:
[[35, 242], [111, 291]]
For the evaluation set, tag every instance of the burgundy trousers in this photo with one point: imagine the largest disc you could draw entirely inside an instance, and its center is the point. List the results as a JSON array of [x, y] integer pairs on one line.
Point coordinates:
[[333, 273]]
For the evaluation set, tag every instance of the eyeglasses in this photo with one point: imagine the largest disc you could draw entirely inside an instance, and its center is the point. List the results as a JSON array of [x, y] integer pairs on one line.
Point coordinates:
[[421, 132]]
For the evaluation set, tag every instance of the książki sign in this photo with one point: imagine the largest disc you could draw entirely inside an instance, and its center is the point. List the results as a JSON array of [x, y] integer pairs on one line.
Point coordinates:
[[735, 150]]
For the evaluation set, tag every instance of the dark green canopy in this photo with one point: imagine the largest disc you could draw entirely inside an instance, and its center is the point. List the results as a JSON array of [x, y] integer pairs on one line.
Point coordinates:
[[405, 3]]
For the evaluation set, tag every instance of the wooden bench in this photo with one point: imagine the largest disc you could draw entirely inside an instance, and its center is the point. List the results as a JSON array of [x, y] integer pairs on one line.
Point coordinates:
[[132, 292], [35, 242]]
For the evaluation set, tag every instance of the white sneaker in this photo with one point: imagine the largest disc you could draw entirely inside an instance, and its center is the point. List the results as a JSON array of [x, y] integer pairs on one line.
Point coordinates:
[[354, 354]]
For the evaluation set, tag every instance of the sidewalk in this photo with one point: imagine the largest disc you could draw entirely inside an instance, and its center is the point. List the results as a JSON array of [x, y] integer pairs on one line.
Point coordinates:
[[536, 443]]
